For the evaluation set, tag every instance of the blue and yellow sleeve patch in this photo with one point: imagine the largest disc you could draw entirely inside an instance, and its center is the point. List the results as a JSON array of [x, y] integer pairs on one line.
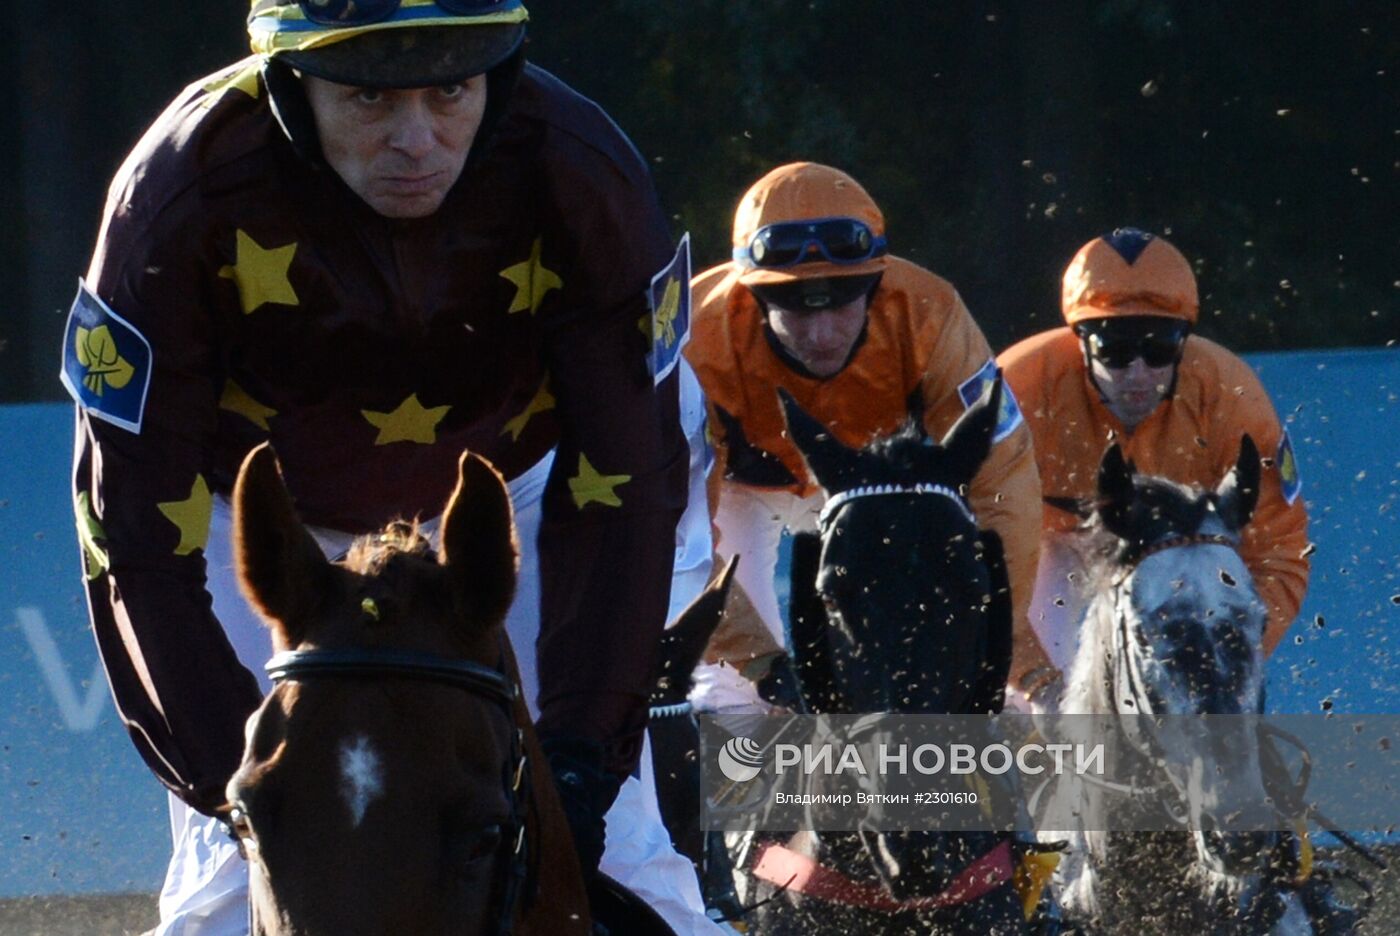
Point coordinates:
[[669, 300], [971, 390], [106, 362], [1290, 479]]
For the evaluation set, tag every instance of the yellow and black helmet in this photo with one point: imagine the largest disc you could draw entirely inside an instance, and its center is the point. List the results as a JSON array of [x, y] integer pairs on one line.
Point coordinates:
[[388, 43]]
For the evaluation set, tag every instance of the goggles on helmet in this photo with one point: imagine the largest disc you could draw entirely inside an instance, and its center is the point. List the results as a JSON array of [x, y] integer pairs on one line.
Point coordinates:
[[363, 12], [837, 240], [1157, 348]]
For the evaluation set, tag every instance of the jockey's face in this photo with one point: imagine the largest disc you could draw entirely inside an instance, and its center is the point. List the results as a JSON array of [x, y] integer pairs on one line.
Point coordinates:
[[820, 339], [1133, 362], [399, 150], [1131, 393]]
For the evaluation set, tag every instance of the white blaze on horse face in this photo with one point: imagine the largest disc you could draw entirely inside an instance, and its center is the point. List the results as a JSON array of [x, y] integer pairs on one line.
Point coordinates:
[[362, 778]]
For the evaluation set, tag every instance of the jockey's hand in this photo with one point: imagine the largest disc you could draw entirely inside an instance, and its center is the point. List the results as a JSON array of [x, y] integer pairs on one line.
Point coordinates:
[[585, 791], [1039, 691]]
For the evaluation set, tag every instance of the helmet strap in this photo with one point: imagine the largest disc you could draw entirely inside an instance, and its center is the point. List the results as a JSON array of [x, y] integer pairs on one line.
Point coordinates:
[[292, 110], [500, 88]]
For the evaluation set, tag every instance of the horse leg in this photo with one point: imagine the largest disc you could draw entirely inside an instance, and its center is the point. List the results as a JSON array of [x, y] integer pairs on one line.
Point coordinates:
[[675, 743]]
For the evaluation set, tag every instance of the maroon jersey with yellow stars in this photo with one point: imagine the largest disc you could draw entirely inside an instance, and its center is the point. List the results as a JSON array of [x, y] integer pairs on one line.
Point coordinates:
[[240, 293]]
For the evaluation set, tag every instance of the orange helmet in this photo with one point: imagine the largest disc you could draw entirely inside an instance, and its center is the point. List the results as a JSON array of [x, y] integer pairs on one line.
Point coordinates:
[[806, 191], [1129, 272]]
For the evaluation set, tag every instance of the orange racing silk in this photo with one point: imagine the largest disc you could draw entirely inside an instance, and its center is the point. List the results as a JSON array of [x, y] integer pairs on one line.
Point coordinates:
[[919, 347], [1193, 437]]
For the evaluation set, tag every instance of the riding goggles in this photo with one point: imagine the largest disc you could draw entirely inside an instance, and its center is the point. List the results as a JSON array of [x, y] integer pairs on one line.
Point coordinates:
[[277, 26], [835, 240], [1157, 349]]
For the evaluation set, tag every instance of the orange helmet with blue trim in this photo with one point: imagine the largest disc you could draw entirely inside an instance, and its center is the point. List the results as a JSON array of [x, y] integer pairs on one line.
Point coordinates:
[[1129, 273]]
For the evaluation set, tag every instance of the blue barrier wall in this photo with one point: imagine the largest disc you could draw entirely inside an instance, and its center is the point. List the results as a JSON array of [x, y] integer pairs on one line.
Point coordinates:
[[79, 813]]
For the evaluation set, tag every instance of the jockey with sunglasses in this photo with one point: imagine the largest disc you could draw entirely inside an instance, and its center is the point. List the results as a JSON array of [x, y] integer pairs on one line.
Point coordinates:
[[1127, 369], [812, 302], [379, 241]]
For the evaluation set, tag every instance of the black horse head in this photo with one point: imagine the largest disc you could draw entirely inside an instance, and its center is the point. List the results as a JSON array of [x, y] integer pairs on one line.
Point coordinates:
[[902, 605]]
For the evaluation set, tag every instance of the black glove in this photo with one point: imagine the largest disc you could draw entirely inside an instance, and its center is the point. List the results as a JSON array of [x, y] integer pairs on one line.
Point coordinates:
[[586, 791]]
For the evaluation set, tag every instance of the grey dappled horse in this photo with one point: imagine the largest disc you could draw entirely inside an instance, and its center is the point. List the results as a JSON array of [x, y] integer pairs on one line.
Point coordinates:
[[1175, 627]]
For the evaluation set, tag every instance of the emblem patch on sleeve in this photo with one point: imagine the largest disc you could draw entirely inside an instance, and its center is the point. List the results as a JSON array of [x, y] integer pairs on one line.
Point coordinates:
[[1289, 477], [971, 390], [669, 299], [106, 362]]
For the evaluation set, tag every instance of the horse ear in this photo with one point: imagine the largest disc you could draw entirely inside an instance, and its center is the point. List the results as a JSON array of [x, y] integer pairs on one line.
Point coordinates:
[[281, 569], [685, 639], [1115, 483], [1238, 493], [966, 444], [834, 465], [479, 547]]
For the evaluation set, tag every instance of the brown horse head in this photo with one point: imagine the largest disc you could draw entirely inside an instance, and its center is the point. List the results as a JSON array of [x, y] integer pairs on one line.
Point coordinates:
[[381, 789]]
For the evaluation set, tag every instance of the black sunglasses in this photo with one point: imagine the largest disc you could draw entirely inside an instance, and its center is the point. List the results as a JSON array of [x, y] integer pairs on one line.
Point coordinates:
[[362, 12], [1156, 350], [838, 240]]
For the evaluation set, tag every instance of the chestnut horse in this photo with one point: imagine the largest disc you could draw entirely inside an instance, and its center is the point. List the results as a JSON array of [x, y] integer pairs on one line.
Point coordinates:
[[392, 781]]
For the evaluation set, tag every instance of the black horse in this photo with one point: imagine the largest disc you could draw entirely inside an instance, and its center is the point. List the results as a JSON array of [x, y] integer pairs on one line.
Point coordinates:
[[899, 604]]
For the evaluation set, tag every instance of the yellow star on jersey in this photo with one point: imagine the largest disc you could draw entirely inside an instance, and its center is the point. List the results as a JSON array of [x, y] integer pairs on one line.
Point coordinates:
[[410, 421], [243, 77], [89, 532], [532, 280], [589, 486], [236, 400], [261, 273], [191, 517], [543, 401]]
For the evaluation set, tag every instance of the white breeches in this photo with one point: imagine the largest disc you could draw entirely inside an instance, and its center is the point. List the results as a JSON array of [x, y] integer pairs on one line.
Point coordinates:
[[1059, 599], [751, 523]]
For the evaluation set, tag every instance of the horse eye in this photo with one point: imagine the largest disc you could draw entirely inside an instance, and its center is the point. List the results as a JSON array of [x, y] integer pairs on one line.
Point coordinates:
[[241, 826], [487, 840]]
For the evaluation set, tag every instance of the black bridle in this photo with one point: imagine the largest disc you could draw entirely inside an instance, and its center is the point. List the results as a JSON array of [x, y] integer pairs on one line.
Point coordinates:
[[476, 678], [298, 665]]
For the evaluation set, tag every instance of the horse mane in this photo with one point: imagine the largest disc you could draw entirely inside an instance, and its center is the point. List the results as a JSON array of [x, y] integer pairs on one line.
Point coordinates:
[[899, 447], [372, 554], [903, 456]]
